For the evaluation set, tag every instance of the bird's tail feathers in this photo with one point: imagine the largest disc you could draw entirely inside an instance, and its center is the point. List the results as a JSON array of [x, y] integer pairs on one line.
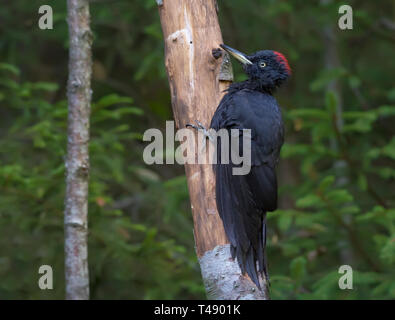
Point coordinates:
[[254, 261]]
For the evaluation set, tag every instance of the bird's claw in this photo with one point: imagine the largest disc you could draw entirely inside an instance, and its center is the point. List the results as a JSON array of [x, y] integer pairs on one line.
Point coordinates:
[[200, 127], [206, 133]]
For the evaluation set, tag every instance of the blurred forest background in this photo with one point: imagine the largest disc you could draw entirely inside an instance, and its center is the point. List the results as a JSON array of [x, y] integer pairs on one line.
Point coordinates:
[[336, 175]]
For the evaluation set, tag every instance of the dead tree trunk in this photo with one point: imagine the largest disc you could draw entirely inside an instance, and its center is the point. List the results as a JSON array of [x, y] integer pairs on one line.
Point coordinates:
[[191, 31], [77, 162]]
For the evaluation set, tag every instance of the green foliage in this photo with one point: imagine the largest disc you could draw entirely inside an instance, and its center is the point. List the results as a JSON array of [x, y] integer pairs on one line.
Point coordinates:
[[342, 204], [336, 175], [124, 247]]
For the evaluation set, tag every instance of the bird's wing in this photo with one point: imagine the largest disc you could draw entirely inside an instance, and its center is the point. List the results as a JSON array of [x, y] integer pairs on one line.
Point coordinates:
[[259, 112], [243, 200]]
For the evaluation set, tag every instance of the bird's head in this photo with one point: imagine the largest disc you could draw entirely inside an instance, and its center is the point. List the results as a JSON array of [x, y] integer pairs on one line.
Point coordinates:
[[267, 69]]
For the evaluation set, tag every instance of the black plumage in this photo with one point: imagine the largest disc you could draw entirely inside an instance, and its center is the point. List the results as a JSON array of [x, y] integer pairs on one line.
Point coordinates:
[[243, 200]]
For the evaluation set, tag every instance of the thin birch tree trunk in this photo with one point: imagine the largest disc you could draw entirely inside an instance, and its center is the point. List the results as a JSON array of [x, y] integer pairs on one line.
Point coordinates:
[[197, 80], [77, 162]]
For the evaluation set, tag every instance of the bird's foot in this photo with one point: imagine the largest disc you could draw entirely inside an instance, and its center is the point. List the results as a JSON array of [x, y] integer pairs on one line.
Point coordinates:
[[200, 127], [206, 133]]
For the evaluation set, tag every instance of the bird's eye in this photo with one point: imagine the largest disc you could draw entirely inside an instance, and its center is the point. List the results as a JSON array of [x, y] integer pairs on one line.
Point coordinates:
[[262, 64]]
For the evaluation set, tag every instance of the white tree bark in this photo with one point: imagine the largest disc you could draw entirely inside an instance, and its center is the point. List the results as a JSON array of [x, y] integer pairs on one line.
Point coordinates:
[[223, 280], [77, 162]]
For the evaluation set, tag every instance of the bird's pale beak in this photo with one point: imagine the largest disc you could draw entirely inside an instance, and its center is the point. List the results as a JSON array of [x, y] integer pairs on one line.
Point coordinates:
[[237, 54]]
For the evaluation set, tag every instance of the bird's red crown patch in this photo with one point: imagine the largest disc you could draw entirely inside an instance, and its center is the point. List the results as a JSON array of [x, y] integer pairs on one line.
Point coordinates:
[[281, 58]]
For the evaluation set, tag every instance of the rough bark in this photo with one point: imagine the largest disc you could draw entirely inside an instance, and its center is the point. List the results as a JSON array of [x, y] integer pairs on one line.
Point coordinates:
[[191, 31], [77, 162], [222, 278]]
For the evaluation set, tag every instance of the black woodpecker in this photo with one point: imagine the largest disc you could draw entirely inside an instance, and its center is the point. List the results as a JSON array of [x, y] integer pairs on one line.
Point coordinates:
[[243, 200]]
